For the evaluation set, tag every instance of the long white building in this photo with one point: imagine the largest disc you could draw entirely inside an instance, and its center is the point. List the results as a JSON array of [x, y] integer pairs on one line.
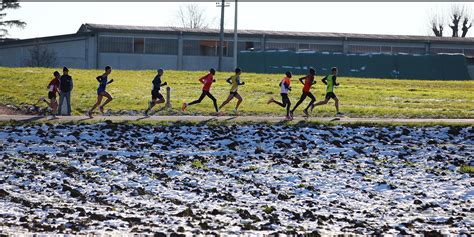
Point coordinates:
[[145, 47]]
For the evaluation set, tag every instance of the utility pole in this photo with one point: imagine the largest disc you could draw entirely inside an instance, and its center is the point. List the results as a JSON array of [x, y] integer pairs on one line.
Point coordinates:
[[221, 40], [235, 36]]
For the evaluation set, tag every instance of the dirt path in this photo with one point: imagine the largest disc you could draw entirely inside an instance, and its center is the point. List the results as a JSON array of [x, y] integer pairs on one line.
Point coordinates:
[[270, 119]]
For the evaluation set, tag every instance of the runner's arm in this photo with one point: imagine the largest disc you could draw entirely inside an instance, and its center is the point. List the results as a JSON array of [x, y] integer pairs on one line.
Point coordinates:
[[202, 79], [301, 80], [164, 84], [335, 83], [228, 80], [112, 80], [240, 83], [324, 80]]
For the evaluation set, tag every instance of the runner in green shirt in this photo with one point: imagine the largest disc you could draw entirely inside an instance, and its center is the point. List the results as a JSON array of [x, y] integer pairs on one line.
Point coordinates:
[[330, 82]]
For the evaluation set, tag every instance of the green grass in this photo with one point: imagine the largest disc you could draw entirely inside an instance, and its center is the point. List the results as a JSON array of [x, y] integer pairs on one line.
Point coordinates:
[[360, 97], [466, 169]]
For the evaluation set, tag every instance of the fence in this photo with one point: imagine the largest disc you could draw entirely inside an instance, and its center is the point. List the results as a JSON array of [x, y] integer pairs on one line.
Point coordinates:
[[426, 67]]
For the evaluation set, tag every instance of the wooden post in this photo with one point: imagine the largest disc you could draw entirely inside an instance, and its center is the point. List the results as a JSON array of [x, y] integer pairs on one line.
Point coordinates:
[[168, 96]]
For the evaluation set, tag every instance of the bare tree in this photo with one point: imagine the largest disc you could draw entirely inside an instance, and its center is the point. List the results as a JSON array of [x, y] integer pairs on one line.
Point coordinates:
[[437, 23], [465, 27], [5, 5], [41, 57], [458, 12], [193, 16]]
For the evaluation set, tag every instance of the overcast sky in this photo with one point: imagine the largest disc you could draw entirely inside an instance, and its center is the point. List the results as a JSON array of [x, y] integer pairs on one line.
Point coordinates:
[[46, 19]]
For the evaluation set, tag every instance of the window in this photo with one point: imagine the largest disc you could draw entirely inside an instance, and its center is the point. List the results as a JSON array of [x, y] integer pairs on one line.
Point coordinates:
[[409, 50], [386, 49], [138, 45], [364, 49], [161, 46], [281, 46], [204, 47], [241, 46], [115, 44], [445, 50], [469, 52]]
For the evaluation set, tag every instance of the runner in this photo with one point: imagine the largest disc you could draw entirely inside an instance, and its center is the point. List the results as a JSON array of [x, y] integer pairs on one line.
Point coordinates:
[[103, 82], [285, 87], [53, 89], [330, 81], [235, 82], [155, 92], [207, 80], [308, 82]]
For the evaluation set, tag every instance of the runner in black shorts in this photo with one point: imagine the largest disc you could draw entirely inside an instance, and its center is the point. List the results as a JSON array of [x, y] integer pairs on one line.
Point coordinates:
[[285, 87], [53, 89], [156, 96], [330, 81], [235, 82]]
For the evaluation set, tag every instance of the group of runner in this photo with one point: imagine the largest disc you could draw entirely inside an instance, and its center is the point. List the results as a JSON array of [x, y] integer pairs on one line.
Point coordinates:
[[157, 98]]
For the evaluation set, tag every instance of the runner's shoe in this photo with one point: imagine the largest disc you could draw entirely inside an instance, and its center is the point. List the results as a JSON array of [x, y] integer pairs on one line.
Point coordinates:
[[183, 108], [89, 114], [146, 113], [312, 107], [339, 114], [288, 118], [101, 109], [305, 111], [270, 100]]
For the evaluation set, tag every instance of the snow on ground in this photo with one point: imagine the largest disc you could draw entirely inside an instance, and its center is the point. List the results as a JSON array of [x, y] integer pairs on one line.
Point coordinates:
[[235, 179]]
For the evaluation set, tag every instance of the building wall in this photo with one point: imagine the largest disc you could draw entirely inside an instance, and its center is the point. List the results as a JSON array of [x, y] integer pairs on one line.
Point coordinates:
[[83, 51], [70, 52], [195, 63], [138, 61]]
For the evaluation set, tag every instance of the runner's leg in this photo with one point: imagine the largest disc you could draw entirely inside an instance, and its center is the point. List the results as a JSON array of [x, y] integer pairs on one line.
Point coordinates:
[[239, 101], [214, 101], [229, 98], [313, 99], [109, 98], [302, 98], [203, 94], [97, 103]]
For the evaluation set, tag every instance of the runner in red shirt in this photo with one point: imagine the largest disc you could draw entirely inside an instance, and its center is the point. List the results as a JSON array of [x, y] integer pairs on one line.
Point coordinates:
[[53, 89], [207, 80], [308, 82]]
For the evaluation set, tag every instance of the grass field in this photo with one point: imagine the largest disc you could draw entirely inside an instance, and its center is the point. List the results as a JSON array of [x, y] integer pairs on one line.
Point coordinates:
[[360, 97]]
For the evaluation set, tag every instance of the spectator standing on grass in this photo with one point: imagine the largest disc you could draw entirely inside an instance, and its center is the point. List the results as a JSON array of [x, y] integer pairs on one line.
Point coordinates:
[[330, 82], [285, 87], [65, 86]]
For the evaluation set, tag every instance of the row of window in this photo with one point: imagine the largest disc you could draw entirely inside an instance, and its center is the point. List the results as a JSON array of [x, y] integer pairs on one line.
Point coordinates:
[[408, 50], [170, 46], [138, 45], [109, 44]]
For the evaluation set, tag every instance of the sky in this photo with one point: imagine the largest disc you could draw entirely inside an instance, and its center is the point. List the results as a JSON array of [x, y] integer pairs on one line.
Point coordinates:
[[397, 18]]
